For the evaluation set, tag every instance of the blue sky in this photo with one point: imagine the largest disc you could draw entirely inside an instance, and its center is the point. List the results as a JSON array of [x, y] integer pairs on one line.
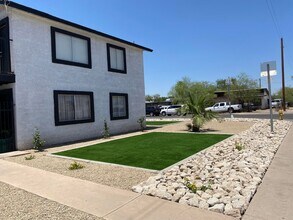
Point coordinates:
[[204, 40]]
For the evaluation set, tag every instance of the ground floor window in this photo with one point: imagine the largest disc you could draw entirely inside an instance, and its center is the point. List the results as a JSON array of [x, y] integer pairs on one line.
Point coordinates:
[[118, 106], [72, 107]]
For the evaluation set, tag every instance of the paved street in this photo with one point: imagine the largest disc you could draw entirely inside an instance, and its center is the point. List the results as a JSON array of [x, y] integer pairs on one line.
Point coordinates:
[[261, 114], [288, 115]]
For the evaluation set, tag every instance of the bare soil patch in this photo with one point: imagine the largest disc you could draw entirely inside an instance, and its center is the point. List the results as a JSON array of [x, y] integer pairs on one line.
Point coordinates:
[[214, 126]]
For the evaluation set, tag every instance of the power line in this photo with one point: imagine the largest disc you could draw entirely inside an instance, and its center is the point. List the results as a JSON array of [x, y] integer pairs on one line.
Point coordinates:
[[274, 17]]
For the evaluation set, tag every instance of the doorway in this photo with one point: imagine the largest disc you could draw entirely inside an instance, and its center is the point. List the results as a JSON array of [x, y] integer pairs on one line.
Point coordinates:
[[7, 132]]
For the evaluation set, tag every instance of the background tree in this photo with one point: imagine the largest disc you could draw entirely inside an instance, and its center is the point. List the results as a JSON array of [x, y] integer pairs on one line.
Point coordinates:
[[243, 88], [155, 98], [288, 95], [222, 84], [149, 98], [181, 90]]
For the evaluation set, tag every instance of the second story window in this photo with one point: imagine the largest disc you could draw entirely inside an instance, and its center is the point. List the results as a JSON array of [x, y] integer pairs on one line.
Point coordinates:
[[116, 59], [4, 46], [70, 48]]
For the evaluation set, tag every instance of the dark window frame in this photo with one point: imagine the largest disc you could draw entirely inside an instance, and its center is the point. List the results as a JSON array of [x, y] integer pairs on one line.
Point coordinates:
[[110, 69], [66, 62], [111, 106], [56, 107], [4, 23]]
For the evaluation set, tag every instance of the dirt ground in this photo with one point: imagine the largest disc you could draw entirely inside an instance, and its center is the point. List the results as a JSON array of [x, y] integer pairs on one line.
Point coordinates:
[[214, 126]]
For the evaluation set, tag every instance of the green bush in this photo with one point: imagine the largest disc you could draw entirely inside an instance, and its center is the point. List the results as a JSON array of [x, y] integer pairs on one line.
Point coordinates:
[[38, 142], [30, 157], [106, 132], [75, 166], [141, 122], [193, 188], [239, 146]]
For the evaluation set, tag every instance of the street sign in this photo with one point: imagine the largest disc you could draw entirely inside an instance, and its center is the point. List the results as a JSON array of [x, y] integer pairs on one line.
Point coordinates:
[[264, 71]]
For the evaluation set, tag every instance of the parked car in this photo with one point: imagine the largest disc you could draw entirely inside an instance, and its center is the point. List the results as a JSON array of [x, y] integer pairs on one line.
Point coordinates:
[[277, 103], [152, 111], [224, 107], [249, 107], [171, 110]]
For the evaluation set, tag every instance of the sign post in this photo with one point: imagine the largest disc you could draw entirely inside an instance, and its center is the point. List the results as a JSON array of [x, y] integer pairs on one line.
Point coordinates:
[[229, 88], [268, 69]]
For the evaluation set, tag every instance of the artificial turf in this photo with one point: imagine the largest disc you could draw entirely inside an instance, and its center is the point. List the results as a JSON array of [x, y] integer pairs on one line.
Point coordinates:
[[154, 150], [160, 122]]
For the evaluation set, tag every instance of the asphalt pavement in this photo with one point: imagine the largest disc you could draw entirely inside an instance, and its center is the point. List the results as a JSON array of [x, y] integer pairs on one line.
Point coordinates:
[[266, 115], [259, 114]]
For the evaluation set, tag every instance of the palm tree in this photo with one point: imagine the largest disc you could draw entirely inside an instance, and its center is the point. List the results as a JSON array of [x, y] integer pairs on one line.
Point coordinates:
[[195, 105]]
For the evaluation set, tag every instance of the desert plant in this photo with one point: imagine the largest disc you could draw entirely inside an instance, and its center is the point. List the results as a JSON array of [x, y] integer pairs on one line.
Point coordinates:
[[106, 132], [75, 166], [30, 157], [195, 105], [38, 142], [191, 186], [141, 122], [205, 188], [239, 146]]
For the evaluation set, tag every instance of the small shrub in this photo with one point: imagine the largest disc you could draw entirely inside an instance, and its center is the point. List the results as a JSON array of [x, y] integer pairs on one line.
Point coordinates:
[[106, 132], [30, 157], [75, 166], [141, 122], [205, 188], [239, 146], [191, 186], [38, 142]]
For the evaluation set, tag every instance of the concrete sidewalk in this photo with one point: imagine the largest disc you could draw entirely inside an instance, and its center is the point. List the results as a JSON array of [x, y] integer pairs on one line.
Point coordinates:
[[274, 197], [100, 200]]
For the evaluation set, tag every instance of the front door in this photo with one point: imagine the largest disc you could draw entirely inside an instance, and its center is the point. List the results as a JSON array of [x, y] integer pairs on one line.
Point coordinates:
[[7, 134]]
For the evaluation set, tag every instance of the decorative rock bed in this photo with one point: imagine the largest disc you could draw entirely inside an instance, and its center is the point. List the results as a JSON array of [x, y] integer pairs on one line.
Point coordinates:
[[224, 177]]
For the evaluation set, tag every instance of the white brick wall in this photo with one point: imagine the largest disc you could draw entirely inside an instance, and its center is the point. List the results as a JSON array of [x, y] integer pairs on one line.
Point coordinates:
[[37, 77]]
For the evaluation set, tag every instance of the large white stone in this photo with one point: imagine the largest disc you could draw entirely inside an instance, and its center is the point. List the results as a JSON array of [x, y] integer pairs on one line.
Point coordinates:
[[212, 201], [218, 208]]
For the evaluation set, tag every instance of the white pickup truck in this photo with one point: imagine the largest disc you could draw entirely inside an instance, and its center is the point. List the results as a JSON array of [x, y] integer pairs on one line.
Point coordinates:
[[276, 103], [224, 107]]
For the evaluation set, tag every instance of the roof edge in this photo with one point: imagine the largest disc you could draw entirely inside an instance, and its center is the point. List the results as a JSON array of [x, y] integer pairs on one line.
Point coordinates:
[[60, 20]]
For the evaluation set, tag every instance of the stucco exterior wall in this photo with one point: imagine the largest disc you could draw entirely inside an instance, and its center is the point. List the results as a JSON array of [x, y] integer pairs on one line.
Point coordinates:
[[37, 77]]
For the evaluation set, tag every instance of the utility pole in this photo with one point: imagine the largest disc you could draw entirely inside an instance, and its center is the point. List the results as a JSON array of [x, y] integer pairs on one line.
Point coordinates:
[[283, 76]]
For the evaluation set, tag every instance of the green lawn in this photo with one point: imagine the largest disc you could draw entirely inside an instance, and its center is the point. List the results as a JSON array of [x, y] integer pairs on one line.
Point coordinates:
[[160, 122], [153, 150]]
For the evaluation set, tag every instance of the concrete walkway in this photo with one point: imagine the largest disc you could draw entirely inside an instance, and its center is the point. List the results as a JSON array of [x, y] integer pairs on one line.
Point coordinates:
[[274, 197], [100, 200]]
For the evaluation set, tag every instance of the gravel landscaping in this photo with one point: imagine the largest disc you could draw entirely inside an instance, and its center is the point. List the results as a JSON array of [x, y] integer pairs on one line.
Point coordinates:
[[111, 175], [224, 177], [20, 205]]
